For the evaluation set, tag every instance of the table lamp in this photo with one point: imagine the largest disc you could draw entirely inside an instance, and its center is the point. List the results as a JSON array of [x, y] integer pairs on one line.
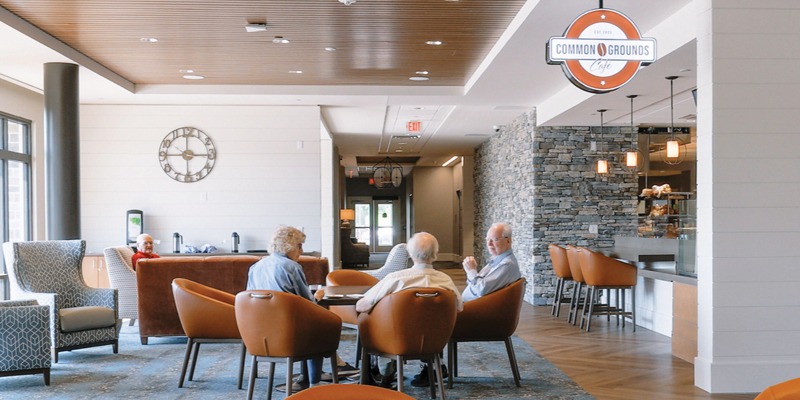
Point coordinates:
[[347, 215]]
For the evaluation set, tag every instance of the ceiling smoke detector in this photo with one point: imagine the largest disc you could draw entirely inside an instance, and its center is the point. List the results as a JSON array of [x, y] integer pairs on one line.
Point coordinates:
[[347, 2]]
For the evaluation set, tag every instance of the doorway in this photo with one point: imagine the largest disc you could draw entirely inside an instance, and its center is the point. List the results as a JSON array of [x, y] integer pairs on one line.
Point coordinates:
[[377, 222]]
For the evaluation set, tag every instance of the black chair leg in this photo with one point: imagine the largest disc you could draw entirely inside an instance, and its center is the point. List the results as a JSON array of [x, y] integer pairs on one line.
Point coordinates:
[[189, 345], [512, 358]]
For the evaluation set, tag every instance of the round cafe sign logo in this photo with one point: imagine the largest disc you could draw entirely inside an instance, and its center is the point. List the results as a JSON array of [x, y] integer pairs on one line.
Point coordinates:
[[601, 50]]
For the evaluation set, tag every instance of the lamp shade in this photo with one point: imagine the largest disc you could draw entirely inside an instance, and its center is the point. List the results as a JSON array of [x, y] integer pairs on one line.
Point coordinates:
[[346, 214]]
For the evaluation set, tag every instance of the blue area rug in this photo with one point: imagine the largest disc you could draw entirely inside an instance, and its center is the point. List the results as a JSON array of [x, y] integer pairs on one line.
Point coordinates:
[[152, 371]]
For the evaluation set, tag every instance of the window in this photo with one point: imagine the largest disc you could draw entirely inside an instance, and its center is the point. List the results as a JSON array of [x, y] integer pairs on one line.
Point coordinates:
[[15, 174]]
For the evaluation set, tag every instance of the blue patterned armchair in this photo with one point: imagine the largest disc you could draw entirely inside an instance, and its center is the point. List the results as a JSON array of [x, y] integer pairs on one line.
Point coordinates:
[[24, 338], [123, 278], [50, 273], [395, 261]]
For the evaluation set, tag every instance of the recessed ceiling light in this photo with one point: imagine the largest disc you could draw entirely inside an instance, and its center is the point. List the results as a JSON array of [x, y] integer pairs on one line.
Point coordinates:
[[186, 71], [295, 71], [422, 72], [280, 40], [398, 151], [330, 48], [194, 77], [257, 27], [148, 39], [434, 42], [419, 78], [402, 143]]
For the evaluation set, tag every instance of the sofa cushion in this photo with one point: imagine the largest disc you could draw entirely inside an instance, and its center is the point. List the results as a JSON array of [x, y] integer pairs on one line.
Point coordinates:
[[82, 318]]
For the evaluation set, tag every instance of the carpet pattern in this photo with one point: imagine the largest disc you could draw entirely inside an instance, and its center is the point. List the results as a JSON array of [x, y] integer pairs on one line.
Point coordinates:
[[152, 372]]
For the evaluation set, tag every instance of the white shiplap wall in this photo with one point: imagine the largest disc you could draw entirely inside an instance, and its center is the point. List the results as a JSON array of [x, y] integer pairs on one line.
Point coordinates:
[[268, 172], [748, 208]]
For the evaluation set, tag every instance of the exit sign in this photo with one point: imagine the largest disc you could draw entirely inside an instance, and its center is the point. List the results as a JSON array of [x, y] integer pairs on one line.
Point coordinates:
[[414, 126]]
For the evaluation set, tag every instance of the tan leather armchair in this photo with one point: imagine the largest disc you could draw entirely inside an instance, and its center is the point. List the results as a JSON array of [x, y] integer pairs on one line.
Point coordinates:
[[558, 257], [787, 390], [349, 392], [347, 277], [348, 314], [207, 316], [602, 272], [490, 318], [412, 324], [278, 326]]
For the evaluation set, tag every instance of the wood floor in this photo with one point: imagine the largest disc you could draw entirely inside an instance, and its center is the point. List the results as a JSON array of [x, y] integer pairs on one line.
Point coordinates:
[[608, 362]]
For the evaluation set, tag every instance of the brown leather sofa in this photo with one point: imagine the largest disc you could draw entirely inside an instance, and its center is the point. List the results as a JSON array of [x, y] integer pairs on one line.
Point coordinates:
[[158, 315]]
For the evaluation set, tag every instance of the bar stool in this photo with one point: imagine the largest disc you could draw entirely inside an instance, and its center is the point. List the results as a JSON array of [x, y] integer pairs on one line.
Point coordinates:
[[577, 277], [602, 272], [558, 256]]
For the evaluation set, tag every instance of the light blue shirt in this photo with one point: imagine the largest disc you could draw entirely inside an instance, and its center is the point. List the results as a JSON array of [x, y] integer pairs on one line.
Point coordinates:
[[501, 271], [278, 272]]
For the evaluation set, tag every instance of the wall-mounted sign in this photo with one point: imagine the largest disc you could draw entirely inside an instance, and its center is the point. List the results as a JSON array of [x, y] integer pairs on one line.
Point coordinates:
[[601, 50], [414, 126]]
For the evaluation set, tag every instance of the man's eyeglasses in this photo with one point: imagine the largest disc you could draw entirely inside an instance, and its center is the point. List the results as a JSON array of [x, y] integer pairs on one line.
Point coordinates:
[[496, 239]]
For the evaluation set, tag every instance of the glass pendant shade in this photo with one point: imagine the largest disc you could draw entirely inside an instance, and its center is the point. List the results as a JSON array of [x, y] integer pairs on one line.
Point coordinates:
[[602, 163], [632, 159], [673, 149], [602, 166]]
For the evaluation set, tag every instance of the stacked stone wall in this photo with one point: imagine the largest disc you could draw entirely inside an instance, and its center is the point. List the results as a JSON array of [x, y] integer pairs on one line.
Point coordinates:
[[542, 180]]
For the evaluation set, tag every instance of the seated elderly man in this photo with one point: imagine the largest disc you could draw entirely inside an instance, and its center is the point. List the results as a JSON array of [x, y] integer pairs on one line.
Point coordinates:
[[281, 271], [501, 271], [144, 249], [423, 248]]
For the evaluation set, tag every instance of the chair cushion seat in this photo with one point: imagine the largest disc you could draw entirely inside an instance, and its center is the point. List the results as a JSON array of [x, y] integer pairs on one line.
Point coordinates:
[[82, 318]]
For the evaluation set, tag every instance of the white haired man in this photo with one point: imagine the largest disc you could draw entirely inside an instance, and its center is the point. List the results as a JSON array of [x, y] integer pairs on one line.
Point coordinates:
[[423, 248], [501, 271], [144, 249]]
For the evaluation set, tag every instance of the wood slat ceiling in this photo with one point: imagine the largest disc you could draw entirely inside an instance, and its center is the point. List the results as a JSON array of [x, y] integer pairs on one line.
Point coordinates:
[[378, 42]]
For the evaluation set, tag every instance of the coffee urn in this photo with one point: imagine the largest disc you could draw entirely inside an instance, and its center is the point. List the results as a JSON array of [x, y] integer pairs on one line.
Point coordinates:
[[177, 240], [234, 242]]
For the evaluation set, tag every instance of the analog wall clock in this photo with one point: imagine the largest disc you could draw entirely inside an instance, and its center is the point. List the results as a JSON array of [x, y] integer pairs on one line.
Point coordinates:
[[187, 154]]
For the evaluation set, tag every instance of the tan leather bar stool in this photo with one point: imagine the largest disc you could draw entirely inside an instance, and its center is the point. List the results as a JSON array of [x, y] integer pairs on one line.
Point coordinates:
[[602, 272], [577, 277], [558, 256]]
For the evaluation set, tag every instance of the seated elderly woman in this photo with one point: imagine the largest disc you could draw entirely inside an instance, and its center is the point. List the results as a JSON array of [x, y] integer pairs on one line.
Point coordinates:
[[280, 271], [144, 249]]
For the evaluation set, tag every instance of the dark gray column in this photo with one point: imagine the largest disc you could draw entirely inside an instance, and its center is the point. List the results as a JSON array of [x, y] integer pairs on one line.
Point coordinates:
[[62, 151]]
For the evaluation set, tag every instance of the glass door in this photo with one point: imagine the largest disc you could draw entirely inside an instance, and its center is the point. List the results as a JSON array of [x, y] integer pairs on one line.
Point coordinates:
[[362, 225], [386, 222]]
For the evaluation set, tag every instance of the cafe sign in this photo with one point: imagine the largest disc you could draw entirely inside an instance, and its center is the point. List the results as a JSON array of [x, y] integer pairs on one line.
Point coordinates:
[[601, 50]]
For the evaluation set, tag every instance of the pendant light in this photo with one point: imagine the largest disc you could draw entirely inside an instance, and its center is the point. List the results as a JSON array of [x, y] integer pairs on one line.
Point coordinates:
[[602, 162], [675, 150], [632, 158]]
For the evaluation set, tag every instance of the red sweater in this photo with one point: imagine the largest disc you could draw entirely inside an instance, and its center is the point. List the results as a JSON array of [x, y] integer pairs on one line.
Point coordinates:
[[139, 255]]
